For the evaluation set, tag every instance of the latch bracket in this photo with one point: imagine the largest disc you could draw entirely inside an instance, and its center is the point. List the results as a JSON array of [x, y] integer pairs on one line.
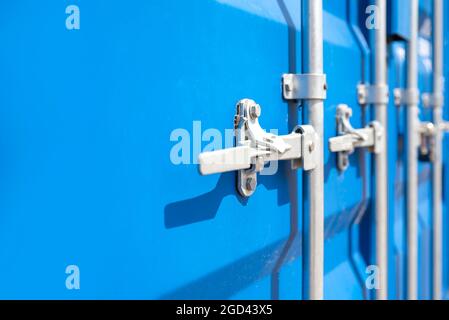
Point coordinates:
[[431, 100], [373, 94], [406, 97], [304, 86], [349, 139], [254, 147]]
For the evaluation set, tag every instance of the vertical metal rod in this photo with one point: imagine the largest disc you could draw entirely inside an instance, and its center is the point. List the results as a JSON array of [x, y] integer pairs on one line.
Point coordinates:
[[380, 79], [412, 157], [438, 81], [312, 21]]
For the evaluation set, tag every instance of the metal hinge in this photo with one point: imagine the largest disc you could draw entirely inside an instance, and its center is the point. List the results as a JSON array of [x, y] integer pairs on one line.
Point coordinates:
[[349, 139], [254, 147], [373, 94], [304, 86], [406, 97]]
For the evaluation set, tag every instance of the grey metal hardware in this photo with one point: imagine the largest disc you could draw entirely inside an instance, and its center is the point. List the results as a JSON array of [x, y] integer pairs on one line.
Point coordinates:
[[379, 99], [349, 139], [431, 100], [373, 94], [444, 126], [437, 172], [409, 98], [313, 219], [254, 147], [406, 97], [427, 132], [304, 86]]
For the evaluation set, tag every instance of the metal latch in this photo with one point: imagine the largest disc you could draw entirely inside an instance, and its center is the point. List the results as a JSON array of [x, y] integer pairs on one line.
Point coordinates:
[[304, 86], [349, 139], [254, 147], [373, 94], [427, 132]]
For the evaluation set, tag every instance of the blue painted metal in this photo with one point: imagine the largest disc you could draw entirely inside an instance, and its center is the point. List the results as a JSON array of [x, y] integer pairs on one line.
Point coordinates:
[[399, 19], [88, 119]]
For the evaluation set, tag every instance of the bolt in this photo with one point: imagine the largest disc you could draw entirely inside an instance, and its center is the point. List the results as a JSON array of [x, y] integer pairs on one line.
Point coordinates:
[[251, 184], [255, 111], [311, 146]]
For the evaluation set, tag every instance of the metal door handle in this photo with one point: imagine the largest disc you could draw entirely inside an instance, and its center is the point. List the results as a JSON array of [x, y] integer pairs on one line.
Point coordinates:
[[254, 147]]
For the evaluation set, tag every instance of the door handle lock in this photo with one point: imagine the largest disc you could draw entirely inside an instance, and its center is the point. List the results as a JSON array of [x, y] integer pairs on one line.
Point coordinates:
[[427, 132], [254, 147], [349, 139]]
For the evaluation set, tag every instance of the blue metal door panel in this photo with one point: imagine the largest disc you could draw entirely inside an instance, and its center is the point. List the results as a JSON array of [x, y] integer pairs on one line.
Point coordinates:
[[396, 178], [344, 265], [399, 19], [86, 121]]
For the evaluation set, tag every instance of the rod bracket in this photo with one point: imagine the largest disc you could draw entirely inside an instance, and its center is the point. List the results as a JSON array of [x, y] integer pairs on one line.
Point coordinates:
[[406, 97], [349, 139], [304, 86], [372, 94], [431, 100], [254, 147]]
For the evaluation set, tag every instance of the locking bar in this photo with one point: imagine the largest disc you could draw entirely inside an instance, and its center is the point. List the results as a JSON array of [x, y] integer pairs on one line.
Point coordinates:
[[408, 97], [373, 94], [431, 100], [304, 86], [254, 147], [349, 139]]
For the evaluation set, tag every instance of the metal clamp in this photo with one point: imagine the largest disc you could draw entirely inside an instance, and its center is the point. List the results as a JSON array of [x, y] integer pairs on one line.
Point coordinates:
[[406, 97], [254, 147], [431, 100], [373, 94], [349, 139], [304, 86]]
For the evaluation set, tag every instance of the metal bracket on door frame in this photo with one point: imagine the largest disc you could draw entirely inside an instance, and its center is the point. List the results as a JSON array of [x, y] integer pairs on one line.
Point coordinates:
[[349, 139], [372, 94], [406, 97], [254, 147], [431, 100], [304, 86]]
